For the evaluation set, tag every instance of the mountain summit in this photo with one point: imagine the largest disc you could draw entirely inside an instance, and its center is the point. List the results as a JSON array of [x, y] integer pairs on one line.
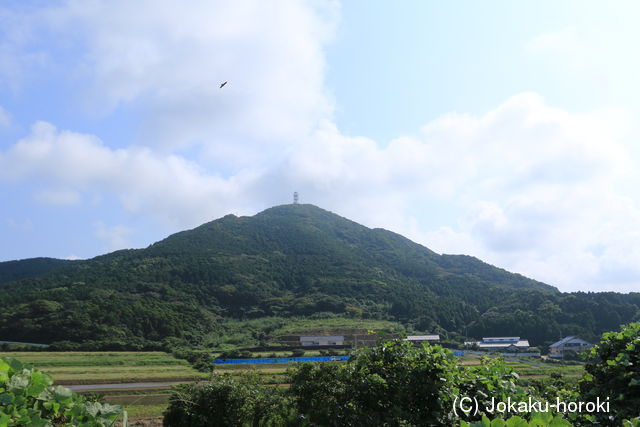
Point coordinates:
[[320, 246]]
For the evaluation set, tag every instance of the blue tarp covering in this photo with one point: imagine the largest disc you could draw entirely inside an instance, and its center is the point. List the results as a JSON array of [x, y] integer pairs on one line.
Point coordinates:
[[458, 353], [281, 360]]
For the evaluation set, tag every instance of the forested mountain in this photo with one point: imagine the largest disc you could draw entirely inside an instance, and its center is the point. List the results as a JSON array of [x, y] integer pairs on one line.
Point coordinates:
[[23, 269], [291, 260]]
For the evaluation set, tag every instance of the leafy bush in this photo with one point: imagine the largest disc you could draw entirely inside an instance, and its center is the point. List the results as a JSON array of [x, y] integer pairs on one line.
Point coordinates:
[[235, 354], [201, 361], [493, 379], [541, 419], [383, 385], [204, 363], [554, 387], [613, 372], [298, 352], [227, 401], [27, 397]]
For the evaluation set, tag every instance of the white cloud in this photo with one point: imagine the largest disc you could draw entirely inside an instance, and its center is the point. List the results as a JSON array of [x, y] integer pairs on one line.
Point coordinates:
[[539, 188], [563, 41], [59, 197], [18, 56], [115, 237], [24, 224], [166, 186], [166, 59], [570, 50]]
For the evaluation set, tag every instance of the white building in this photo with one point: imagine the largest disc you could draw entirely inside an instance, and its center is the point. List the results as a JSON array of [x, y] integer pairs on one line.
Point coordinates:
[[568, 344], [421, 338], [501, 344], [322, 340]]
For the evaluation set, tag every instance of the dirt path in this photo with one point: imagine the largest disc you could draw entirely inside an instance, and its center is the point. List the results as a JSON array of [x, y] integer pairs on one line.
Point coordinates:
[[125, 386]]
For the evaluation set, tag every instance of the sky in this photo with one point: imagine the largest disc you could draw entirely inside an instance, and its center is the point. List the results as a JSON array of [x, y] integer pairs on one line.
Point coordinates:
[[503, 130]]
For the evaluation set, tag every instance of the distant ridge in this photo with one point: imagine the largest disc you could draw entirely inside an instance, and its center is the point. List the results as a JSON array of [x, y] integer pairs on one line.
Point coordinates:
[[22, 269]]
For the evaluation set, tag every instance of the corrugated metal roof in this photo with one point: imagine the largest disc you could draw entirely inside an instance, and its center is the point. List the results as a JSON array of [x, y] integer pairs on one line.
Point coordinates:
[[324, 337], [500, 338], [519, 343], [422, 338], [566, 340]]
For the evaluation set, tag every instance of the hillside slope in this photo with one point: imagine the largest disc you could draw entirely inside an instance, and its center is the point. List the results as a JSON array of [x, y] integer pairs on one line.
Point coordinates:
[[290, 260], [26, 268]]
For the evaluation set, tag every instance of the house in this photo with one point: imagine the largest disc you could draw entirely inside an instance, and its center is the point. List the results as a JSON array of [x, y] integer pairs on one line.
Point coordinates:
[[333, 338], [322, 340], [568, 345], [501, 344], [419, 339]]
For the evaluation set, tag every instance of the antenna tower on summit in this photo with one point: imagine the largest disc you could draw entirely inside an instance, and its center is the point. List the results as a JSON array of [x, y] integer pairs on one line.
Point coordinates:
[[295, 197]]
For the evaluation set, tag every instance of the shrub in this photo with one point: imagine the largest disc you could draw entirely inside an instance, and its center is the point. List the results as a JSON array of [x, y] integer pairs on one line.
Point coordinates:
[[396, 383], [27, 397], [612, 372], [493, 379], [387, 384], [298, 352], [542, 419], [227, 401], [235, 354]]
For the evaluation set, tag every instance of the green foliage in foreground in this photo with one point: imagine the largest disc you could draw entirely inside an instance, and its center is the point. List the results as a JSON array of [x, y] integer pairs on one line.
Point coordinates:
[[390, 384], [396, 384], [27, 397], [614, 371], [227, 401], [542, 419]]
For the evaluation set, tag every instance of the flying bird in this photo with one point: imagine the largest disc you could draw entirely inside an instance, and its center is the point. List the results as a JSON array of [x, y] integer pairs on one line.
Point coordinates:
[[222, 85]]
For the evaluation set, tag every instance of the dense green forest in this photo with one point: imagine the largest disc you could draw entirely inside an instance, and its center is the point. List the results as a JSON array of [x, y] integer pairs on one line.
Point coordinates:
[[16, 270], [285, 262]]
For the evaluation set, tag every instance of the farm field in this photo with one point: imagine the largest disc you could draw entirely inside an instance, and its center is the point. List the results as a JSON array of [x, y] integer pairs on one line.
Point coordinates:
[[82, 368], [529, 367], [69, 368], [116, 367]]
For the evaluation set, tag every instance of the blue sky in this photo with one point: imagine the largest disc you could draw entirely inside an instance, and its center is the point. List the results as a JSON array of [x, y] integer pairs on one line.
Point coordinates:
[[504, 130]]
